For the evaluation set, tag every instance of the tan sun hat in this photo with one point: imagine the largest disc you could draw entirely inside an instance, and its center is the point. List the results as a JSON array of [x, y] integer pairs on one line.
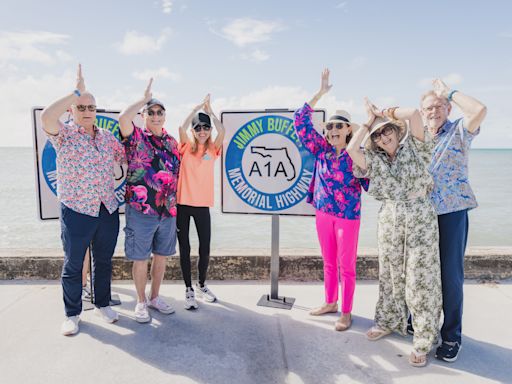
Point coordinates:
[[341, 116], [380, 122]]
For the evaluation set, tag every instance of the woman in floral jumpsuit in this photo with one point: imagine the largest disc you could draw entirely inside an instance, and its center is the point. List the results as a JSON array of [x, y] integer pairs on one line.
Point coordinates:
[[409, 268]]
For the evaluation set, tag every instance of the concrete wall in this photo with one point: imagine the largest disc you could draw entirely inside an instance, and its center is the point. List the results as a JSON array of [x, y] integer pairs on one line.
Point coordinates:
[[299, 265]]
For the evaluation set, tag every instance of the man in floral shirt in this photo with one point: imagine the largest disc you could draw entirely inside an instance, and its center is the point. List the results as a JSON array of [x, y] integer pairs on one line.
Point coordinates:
[[151, 184], [86, 156], [452, 197]]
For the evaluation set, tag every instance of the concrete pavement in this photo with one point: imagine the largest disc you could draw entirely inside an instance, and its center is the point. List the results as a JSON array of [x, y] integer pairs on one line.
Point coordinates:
[[235, 341]]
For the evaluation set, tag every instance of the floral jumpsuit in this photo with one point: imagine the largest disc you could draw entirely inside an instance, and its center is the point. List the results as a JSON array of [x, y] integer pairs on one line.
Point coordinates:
[[409, 266]]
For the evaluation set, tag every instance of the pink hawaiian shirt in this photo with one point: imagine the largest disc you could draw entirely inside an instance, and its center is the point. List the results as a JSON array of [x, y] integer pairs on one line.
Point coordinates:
[[153, 169], [85, 168]]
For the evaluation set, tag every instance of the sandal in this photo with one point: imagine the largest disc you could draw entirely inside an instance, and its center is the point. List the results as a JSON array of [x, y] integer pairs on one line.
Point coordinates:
[[417, 359], [326, 308], [342, 324], [378, 333]]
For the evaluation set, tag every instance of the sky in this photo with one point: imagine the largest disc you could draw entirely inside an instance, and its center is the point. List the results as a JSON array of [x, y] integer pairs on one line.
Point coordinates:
[[253, 55]]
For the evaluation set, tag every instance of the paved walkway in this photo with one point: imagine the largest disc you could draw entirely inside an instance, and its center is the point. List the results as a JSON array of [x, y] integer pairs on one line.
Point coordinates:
[[235, 341]]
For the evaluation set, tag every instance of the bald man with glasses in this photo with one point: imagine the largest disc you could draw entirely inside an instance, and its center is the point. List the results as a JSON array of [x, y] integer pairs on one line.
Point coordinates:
[[86, 157]]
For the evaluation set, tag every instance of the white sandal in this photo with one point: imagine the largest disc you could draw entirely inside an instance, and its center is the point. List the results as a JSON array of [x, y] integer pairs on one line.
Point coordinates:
[[378, 331], [415, 362]]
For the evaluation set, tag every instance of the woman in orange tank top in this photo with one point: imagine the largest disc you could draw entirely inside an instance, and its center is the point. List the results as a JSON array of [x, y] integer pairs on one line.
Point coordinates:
[[195, 193]]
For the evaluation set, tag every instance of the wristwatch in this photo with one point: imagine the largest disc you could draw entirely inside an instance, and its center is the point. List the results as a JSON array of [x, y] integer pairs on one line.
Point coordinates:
[[77, 92]]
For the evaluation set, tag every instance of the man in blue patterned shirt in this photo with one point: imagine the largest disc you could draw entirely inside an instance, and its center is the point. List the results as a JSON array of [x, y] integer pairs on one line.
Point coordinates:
[[452, 197]]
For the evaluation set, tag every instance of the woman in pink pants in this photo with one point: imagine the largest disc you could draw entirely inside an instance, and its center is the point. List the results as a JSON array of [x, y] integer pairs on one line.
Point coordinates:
[[336, 195]]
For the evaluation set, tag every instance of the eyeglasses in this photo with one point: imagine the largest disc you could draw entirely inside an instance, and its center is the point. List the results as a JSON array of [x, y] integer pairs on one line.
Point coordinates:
[[159, 112], [432, 107], [330, 126], [386, 131], [82, 108], [204, 127]]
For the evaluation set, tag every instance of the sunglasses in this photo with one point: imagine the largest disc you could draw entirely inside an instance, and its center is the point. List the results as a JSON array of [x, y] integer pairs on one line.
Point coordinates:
[[386, 131], [159, 112], [82, 108], [330, 126], [204, 127]]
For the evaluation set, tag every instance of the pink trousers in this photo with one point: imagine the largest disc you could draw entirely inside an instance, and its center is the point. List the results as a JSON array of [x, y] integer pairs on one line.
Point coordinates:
[[338, 241]]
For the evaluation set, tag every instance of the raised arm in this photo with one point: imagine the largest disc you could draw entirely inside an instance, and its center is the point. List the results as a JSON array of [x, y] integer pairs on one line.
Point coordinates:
[[126, 116], [52, 113], [354, 146], [324, 88], [473, 110], [221, 131], [183, 127], [412, 115]]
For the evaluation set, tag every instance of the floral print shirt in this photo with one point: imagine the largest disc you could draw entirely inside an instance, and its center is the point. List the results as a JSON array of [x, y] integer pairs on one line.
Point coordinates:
[[405, 178], [334, 189], [449, 167], [153, 168], [85, 168]]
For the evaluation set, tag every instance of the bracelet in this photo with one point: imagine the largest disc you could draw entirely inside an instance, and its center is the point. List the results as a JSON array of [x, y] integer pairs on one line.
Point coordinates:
[[450, 95], [77, 92]]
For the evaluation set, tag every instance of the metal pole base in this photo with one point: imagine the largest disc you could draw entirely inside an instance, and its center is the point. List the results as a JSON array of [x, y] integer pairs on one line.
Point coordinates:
[[281, 302], [114, 300]]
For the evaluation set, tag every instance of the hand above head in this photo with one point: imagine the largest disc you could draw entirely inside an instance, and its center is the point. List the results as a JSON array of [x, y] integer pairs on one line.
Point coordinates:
[[371, 110], [207, 106], [80, 83], [440, 88], [148, 95], [324, 84]]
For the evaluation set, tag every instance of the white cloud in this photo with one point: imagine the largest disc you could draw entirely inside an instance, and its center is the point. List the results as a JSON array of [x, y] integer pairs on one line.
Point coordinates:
[[451, 80], [246, 31], [342, 5], [166, 6], [157, 73], [136, 43], [19, 94], [31, 46], [256, 55]]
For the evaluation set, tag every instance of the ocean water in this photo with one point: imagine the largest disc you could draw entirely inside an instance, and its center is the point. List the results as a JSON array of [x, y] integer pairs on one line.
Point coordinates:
[[490, 223]]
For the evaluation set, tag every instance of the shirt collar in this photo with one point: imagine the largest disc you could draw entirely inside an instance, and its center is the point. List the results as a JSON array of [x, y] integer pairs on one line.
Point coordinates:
[[444, 128], [149, 133], [82, 129]]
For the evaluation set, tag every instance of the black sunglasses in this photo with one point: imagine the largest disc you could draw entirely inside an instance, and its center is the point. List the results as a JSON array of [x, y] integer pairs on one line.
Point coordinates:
[[204, 127], [386, 131], [330, 126], [160, 112], [82, 108]]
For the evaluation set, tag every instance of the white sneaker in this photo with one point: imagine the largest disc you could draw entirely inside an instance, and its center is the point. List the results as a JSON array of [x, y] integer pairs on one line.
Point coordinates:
[[107, 314], [141, 313], [190, 299], [160, 305], [70, 326], [205, 293]]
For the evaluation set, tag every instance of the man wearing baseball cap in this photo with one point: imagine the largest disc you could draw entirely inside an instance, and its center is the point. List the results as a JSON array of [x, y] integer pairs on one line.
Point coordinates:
[[151, 184]]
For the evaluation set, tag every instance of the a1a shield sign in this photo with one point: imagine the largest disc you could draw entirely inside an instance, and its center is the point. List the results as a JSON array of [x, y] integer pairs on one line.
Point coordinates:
[[266, 169]]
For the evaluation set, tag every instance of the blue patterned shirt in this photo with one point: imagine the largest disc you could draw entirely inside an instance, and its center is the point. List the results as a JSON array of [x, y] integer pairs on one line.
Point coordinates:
[[449, 168]]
